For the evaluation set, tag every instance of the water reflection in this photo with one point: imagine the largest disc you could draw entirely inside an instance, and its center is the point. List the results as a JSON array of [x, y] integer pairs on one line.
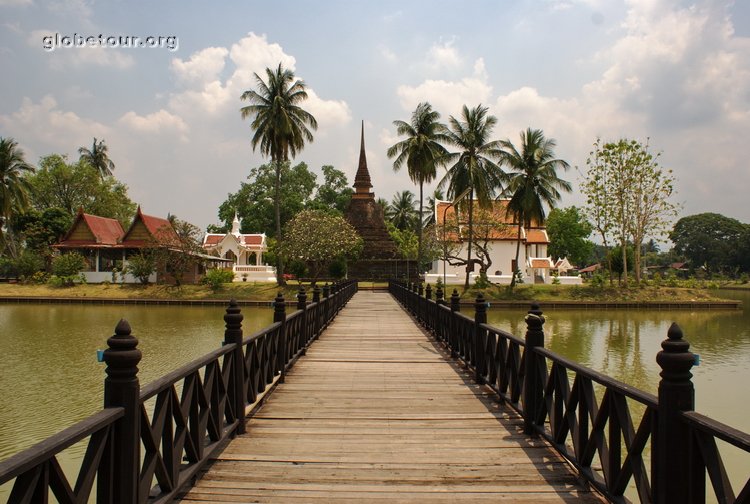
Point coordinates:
[[49, 373]]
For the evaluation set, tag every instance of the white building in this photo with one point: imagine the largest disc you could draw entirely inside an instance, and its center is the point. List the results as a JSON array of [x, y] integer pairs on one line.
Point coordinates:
[[498, 231], [246, 250]]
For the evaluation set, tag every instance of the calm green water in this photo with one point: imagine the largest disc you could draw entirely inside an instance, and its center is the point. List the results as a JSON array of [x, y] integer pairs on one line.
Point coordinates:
[[49, 375]]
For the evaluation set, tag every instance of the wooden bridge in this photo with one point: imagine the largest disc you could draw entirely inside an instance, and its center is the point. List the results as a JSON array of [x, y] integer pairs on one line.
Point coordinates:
[[378, 412], [384, 403]]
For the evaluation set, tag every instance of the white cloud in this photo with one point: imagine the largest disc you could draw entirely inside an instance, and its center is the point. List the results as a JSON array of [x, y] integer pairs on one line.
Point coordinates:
[[157, 123], [448, 97], [54, 129], [328, 113], [444, 55], [15, 3], [202, 67]]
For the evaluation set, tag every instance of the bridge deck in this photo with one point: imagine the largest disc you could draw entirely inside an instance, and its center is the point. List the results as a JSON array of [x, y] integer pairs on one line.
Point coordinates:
[[375, 412]]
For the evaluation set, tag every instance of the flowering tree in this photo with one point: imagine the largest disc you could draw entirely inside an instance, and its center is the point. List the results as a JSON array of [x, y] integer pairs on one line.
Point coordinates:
[[318, 238]]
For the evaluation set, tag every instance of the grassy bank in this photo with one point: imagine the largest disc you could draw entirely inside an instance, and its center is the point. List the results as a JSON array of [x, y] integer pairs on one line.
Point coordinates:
[[267, 291]]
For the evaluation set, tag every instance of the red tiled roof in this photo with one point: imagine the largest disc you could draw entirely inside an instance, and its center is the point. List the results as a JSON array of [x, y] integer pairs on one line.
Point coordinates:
[[506, 228], [540, 263], [212, 239], [590, 269], [107, 232], [252, 239], [159, 229]]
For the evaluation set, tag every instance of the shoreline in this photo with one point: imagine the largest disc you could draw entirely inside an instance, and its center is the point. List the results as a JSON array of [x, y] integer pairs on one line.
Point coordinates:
[[521, 304]]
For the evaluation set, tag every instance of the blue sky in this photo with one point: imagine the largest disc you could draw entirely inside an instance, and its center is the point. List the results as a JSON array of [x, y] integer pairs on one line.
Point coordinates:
[[676, 72]]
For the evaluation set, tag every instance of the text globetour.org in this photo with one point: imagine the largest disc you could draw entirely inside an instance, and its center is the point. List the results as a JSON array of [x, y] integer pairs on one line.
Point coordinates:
[[76, 40]]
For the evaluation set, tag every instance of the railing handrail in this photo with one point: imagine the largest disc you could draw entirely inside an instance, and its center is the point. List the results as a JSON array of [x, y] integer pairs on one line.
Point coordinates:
[[22, 461], [720, 430]]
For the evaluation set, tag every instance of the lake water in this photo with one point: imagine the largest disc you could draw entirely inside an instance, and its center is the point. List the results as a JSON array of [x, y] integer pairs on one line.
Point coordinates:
[[50, 378]]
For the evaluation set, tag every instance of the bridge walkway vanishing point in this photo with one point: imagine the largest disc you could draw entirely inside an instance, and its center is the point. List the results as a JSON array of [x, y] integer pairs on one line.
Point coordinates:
[[377, 412]]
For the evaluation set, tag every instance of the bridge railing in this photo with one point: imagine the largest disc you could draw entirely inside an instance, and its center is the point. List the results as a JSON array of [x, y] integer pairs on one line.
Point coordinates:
[[148, 443], [603, 427]]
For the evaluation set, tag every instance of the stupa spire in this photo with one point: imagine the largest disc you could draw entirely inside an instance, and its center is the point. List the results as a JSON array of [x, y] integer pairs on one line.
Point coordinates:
[[362, 181]]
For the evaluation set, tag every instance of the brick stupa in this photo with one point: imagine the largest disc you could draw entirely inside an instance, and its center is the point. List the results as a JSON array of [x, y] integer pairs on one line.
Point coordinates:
[[380, 258]]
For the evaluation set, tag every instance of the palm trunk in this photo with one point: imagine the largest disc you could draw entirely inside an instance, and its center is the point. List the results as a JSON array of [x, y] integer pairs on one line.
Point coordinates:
[[471, 239], [277, 211], [518, 251], [419, 231]]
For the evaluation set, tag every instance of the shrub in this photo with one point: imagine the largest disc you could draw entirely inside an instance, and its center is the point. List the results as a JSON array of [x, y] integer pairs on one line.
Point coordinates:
[[27, 264], [482, 282], [597, 280], [298, 269], [66, 270], [141, 266], [216, 277], [8, 268], [338, 268]]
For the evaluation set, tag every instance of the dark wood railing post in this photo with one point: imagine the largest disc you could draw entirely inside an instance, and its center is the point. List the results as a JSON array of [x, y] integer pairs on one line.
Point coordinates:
[[420, 303], [318, 310], [480, 317], [302, 305], [429, 318], [122, 389], [455, 308], [676, 478], [439, 295], [233, 336], [279, 315], [326, 304], [533, 388]]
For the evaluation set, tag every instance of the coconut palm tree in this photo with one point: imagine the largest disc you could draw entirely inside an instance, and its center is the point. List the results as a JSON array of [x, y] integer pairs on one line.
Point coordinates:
[[98, 158], [473, 167], [401, 212], [421, 151], [431, 204], [281, 128], [533, 180], [14, 187]]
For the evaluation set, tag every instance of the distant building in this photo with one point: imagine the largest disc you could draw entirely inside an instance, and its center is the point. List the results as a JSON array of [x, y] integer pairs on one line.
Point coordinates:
[[380, 258], [245, 252], [106, 247], [501, 233]]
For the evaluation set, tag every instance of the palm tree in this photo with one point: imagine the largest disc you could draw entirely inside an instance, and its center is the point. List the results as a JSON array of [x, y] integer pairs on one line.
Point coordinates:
[[98, 158], [281, 128], [14, 187], [421, 151], [431, 204], [401, 212], [533, 180], [473, 166]]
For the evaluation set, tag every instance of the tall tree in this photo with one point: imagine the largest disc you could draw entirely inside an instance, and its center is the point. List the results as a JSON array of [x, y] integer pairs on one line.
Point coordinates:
[[14, 187], [474, 167], [568, 232], [429, 220], [98, 158], [421, 151], [334, 193], [628, 192], [709, 240], [70, 186], [400, 212], [281, 128], [533, 182]]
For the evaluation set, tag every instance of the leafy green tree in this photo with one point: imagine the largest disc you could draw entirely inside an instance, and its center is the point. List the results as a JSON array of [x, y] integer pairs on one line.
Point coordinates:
[[141, 265], [709, 240], [401, 212], [98, 158], [474, 167], [14, 187], [421, 152], [280, 127], [67, 267], [628, 195], [254, 201], [533, 182], [40, 230], [178, 256], [58, 184], [318, 238], [568, 232], [334, 193]]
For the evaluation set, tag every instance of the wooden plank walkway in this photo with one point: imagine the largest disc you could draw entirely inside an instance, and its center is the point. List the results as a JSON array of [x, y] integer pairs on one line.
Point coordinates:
[[375, 412]]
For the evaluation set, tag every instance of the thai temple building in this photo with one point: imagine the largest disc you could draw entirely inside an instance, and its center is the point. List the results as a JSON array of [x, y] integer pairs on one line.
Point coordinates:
[[245, 250], [380, 258]]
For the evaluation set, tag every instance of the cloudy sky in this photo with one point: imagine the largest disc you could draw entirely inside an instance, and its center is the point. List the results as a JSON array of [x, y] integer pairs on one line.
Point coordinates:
[[677, 72]]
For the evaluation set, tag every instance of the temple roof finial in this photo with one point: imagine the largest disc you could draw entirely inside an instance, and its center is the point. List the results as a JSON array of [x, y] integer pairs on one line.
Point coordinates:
[[362, 182]]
